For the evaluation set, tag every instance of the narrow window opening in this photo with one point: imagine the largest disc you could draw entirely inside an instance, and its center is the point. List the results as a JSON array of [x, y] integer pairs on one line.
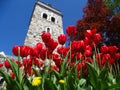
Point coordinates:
[[48, 29], [45, 16], [52, 19]]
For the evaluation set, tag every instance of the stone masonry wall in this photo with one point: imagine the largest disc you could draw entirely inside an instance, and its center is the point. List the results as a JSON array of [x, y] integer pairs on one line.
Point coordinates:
[[39, 24]]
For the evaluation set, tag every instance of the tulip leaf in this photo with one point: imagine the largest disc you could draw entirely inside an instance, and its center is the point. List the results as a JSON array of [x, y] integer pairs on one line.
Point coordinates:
[[6, 76], [64, 65], [48, 85], [114, 87], [82, 82], [36, 72], [72, 77], [93, 76], [57, 74], [16, 69], [103, 73], [118, 78]]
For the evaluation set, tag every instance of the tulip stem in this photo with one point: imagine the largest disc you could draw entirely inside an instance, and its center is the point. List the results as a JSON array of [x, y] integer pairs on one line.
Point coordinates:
[[18, 61]]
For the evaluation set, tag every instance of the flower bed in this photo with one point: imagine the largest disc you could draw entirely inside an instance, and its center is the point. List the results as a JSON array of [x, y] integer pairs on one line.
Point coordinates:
[[52, 66]]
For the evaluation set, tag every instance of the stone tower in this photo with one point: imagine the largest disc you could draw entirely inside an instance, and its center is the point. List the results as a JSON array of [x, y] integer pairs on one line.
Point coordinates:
[[45, 18]]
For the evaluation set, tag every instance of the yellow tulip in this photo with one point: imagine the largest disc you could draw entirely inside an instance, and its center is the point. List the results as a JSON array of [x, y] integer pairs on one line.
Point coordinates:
[[36, 81], [62, 81]]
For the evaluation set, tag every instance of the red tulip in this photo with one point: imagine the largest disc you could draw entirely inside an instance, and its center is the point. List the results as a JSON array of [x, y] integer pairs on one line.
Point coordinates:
[[107, 56], [38, 62], [1, 65], [57, 61], [103, 61], [88, 59], [33, 52], [62, 50], [15, 50], [88, 53], [80, 45], [39, 46], [43, 53], [78, 75], [111, 61], [88, 33], [29, 62], [99, 56], [84, 64], [51, 44], [24, 51], [54, 45], [7, 64], [79, 66], [29, 69], [88, 47], [87, 41], [46, 36], [62, 39], [25, 62], [12, 75], [104, 49], [97, 38], [20, 64], [76, 45], [71, 30], [54, 67], [117, 56], [94, 31], [112, 49], [79, 56]]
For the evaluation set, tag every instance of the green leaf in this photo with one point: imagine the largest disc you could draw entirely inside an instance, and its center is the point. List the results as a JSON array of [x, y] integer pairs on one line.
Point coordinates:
[[103, 73], [102, 84], [17, 84], [71, 79], [118, 78], [57, 74], [36, 72], [93, 76], [6, 76], [82, 82], [48, 85], [114, 87], [64, 66], [16, 69], [25, 87]]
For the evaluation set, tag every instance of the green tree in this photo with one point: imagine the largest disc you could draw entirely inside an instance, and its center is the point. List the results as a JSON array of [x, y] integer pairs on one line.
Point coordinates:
[[113, 5]]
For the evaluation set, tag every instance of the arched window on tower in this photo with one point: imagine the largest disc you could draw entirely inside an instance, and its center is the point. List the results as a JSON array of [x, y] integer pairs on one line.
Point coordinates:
[[48, 29], [52, 19], [44, 16]]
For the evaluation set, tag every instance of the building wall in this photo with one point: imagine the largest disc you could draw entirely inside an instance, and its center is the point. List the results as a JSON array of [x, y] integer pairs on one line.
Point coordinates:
[[39, 24]]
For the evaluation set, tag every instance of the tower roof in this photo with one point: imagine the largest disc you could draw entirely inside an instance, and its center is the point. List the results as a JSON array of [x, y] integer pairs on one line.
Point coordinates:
[[49, 7]]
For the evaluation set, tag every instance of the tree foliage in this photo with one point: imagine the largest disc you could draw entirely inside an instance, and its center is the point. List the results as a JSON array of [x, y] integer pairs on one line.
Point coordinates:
[[97, 14], [113, 5]]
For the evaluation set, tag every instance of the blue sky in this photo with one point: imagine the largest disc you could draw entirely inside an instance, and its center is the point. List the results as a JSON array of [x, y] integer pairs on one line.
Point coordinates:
[[15, 16]]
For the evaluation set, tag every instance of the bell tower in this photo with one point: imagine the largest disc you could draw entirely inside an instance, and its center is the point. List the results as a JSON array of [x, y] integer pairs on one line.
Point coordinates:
[[45, 18]]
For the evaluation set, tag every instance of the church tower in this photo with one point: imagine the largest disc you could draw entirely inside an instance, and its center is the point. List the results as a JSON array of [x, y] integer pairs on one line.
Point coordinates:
[[45, 18]]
